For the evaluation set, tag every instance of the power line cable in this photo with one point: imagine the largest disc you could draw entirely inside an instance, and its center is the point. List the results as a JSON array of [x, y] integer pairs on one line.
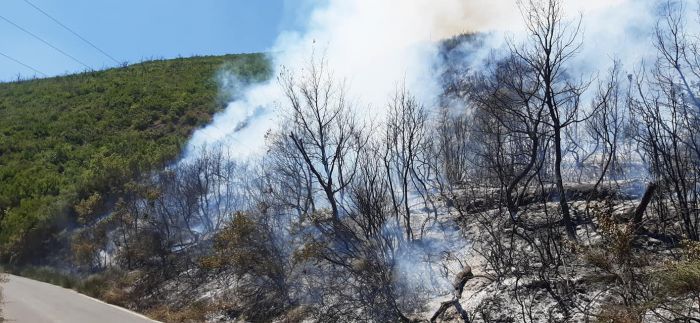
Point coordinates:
[[45, 42], [23, 64], [72, 31]]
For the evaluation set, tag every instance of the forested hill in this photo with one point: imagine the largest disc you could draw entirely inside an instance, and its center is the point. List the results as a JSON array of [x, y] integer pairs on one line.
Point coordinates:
[[69, 144]]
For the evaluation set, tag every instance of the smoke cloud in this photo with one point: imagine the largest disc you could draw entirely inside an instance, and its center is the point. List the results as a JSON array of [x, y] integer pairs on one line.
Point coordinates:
[[375, 45]]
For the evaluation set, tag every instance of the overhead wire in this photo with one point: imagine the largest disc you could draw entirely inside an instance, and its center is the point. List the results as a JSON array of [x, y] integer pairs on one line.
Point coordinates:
[[72, 31], [23, 64], [45, 42]]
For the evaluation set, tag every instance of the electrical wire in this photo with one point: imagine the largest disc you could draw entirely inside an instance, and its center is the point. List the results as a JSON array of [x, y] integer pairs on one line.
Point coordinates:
[[23, 64], [72, 31], [45, 42]]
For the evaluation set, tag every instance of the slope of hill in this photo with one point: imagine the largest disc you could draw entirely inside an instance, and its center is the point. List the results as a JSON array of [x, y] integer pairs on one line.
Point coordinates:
[[70, 143]]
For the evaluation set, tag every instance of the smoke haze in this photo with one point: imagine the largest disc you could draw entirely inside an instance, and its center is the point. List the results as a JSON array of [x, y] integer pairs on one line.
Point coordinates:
[[377, 45]]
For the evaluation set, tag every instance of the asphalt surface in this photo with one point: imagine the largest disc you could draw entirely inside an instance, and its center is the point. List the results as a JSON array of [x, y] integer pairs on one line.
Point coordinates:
[[30, 301]]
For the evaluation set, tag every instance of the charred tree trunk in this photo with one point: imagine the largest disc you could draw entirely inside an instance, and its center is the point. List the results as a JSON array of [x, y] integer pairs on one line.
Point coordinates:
[[639, 211], [563, 203], [446, 305], [460, 280]]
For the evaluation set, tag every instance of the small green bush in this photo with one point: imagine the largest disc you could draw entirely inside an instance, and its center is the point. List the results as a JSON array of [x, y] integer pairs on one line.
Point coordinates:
[[49, 275], [680, 279], [94, 285]]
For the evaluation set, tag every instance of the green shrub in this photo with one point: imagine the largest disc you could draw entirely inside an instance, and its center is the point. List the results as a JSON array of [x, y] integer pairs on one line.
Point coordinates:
[[49, 275], [619, 314], [680, 279], [69, 144], [95, 285]]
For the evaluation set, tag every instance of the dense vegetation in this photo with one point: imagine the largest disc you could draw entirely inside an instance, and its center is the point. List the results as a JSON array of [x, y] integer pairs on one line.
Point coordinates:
[[69, 144]]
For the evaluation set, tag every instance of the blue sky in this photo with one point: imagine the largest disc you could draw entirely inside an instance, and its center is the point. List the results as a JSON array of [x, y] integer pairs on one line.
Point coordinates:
[[132, 30]]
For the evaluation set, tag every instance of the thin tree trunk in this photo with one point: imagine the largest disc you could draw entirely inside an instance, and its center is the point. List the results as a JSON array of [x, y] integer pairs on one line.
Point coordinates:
[[639, 211], [566, 214]]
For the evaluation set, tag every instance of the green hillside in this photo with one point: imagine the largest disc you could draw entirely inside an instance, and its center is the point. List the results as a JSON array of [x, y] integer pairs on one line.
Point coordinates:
[[68, 144]]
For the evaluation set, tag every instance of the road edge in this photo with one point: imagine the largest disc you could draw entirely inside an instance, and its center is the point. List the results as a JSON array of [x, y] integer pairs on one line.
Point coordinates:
[[90, 298]]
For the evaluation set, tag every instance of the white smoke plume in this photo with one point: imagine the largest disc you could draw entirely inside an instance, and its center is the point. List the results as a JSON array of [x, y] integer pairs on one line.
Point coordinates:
[[376, 44]]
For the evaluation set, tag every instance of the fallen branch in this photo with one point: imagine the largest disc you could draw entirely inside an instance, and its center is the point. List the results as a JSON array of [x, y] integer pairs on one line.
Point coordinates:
[[444, 306], [460, 280]]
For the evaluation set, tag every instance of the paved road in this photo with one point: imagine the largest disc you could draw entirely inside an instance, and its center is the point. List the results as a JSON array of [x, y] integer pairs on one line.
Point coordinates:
[[30, 301]]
